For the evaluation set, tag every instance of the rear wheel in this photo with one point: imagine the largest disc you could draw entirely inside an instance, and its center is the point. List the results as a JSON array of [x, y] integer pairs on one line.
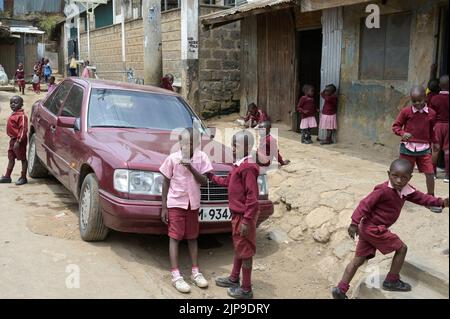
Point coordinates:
[[92, 227], [35, 167]]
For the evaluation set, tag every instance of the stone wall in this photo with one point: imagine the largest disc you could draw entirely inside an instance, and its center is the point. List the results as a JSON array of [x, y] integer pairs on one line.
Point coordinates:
[[106, 50], [219, 68], [171, 43]]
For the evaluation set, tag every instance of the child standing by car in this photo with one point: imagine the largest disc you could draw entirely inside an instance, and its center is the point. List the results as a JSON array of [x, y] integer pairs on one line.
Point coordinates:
[[17, 128], [307, 109], [51, 85], [183, 174], [372, 219], [242, 183]]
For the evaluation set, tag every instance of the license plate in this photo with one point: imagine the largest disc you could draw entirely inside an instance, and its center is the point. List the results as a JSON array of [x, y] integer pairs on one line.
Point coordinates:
[[214, 214]]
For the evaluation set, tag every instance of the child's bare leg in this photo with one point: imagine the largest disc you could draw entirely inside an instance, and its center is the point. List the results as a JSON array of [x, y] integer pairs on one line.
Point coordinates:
[[430, 183], [398, 260], [351, 269], [24, 168], [173, 252], [10, 168], [193, 251]]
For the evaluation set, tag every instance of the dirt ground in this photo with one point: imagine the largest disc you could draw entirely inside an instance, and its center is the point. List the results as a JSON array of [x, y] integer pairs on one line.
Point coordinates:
[[301, 250]]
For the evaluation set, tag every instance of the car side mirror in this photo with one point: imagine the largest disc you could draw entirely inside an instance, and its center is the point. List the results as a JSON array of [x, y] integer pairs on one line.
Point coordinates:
[[68, 122], [77, 124], [212, 132]]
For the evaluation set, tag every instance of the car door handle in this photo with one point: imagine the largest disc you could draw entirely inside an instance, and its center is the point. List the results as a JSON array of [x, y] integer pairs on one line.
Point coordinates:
[[53, 128]]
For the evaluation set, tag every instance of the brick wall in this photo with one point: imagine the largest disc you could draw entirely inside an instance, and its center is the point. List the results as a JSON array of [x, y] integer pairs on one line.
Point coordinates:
[[171, 43], [219, 68], [106, 49]]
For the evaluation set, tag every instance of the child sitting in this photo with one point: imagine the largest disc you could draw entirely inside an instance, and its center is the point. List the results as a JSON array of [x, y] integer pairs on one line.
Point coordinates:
[[268, 146]]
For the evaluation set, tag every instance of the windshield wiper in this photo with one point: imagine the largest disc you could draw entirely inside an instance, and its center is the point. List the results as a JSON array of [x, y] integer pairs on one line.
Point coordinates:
[[117, 126]]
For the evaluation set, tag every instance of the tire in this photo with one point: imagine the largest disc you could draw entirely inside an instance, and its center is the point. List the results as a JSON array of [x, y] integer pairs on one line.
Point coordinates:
[[91, 223], [35, 167]]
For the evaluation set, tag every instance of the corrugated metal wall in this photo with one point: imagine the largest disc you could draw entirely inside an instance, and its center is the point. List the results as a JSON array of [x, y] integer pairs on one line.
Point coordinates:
[[26, 6], [332, 24], [1, 5]]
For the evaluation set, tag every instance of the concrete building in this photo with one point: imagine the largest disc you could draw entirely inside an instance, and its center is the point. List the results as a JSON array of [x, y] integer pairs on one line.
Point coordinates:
[[287, 43]]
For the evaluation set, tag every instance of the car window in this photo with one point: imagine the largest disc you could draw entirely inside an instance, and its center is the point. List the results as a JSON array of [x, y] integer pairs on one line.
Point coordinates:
[[54, 103], [72, 106], [120, 108]]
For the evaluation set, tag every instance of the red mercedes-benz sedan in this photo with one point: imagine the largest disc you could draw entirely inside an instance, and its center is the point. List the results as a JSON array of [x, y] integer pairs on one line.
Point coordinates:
[[105, 141]]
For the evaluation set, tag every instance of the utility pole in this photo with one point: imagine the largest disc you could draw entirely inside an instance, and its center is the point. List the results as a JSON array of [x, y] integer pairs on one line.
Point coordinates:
[[151, 16]]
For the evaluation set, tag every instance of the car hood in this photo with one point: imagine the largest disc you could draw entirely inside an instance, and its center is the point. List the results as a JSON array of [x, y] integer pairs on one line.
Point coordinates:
[[144, 149]]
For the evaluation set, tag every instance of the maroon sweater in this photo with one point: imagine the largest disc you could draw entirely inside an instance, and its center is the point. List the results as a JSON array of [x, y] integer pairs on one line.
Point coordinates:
[[383, 205], [439, 103], [330, 104], [420, 125], [243, 191], [306, 106]]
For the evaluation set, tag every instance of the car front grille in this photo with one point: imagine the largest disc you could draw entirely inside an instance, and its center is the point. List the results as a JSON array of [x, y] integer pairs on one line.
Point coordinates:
[[213, 192]]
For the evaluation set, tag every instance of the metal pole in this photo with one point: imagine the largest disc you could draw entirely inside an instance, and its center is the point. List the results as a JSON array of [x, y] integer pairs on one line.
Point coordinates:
[[88, 34], [78, 36], [122, 7]]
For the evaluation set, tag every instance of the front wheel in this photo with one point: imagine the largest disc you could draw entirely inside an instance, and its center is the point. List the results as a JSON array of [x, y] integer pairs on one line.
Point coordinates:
[[92, 227], [35, 167]]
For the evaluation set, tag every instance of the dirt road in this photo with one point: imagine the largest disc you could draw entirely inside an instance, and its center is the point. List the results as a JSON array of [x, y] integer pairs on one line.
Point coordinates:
[[40, 248]]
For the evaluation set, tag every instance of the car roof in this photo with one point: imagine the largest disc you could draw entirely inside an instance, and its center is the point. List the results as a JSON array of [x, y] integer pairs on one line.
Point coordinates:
[[108, 84]]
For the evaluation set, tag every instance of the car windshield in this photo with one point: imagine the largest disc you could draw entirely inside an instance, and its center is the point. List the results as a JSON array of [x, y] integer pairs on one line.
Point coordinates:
[[129, 109]]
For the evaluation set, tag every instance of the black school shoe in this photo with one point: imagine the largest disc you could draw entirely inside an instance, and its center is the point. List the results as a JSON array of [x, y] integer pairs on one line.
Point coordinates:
[[436, 210], [337, 293], [226, 282], [5, 180], [396, 286], [239, 293], [21, 181]]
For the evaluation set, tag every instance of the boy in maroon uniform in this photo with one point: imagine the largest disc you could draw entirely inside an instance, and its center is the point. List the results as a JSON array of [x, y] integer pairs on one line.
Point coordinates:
[[439, 103], [20, 78], [242, 183], [415, 124], [254, 116], [307, 109], [268, 147], [372, 219], [17, 129]]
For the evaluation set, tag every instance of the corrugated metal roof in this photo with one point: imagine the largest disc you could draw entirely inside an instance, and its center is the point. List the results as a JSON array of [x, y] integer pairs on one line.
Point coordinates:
[[30, 29], [239, 12]]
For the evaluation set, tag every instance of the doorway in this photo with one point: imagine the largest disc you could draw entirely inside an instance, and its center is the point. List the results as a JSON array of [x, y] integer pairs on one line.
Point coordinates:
[[309, 55]]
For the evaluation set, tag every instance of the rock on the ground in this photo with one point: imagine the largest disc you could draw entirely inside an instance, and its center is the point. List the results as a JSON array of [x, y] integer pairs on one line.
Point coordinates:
[[337, 200], [278, 236], [319, 216], [297, 232], [322, 235], [344, 248], [279, 210], [344, 218]]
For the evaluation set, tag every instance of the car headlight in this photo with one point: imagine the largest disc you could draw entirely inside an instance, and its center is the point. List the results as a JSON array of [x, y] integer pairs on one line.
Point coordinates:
[[138, 182], [262, 184]]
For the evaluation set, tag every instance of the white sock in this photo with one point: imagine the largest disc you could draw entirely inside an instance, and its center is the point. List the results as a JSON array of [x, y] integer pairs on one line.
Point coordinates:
[[175, 274]]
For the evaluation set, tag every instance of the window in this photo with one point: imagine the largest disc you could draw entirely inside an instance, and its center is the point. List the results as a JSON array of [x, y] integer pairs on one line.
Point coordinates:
[[53, 104], [74, 101], [229, 3], [384, 52], [119, 108], [208, 2], [170, 4]]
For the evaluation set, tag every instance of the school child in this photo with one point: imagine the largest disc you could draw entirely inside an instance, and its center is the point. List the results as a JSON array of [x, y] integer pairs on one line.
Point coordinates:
[[20, 78], [307, 109], [268, 146], [167, 82], [183, 174], [433, 89], [51, 85], [17, 129], [439, 103], [85, 74], [243, 201], [415, 124], [36, 83], [254, 116], [372, 219], [47, 70], [328, 120]]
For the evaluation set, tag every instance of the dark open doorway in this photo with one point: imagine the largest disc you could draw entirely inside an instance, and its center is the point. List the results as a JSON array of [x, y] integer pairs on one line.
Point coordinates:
[[309, 55]]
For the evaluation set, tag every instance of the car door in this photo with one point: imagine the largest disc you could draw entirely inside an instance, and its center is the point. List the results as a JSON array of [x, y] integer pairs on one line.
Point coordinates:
[[67, 144], [47, 122]]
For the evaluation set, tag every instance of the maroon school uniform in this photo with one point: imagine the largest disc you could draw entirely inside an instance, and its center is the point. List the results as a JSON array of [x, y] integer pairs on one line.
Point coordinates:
[[420, 125], [256, 119], [430, 97], [242, 183], [380, 210], [330, 104], [306, 106], [17, 128], [20, 78], [439, 103]]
